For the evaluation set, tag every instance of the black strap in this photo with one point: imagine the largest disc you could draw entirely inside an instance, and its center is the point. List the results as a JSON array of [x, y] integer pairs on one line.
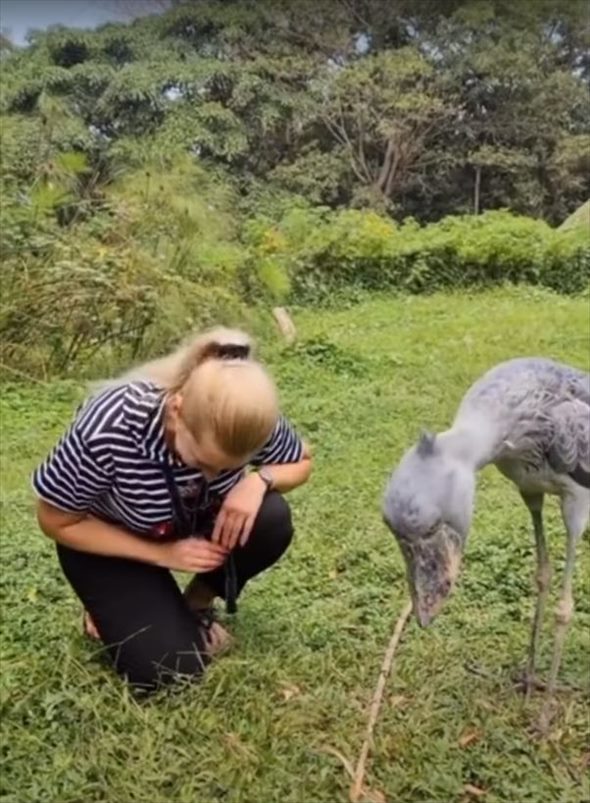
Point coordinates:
[[231, 583], [177, 506]]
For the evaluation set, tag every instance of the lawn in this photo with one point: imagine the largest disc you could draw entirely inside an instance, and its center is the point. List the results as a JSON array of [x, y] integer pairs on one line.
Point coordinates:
[[311, 633]]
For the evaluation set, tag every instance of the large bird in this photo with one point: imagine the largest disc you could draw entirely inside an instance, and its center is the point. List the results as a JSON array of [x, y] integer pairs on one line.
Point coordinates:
[[531, 418]]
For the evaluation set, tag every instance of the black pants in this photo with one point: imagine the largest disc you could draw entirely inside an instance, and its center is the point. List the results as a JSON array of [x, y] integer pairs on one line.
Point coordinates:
[[140, 612]]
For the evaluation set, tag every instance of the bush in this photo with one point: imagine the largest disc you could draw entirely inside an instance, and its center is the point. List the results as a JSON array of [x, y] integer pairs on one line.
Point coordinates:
[[151, 262], [322, 251], [566, 262], [59, 312], [89, 306], [144, 257]]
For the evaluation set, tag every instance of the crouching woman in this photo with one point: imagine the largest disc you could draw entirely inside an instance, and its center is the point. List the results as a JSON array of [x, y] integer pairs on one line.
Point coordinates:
[[179, 466]]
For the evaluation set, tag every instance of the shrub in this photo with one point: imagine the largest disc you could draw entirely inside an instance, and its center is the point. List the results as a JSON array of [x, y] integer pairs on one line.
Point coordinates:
[[323, 251]]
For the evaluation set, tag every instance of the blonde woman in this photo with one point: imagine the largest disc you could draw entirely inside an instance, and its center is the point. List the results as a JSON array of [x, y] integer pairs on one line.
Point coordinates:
[[180, 465]]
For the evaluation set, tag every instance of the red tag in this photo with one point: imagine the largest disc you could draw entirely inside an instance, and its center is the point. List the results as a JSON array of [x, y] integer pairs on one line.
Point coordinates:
[[163, 530]]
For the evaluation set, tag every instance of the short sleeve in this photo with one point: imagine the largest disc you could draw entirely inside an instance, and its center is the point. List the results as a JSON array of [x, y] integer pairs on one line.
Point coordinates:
[[74, 474], [284, 446]]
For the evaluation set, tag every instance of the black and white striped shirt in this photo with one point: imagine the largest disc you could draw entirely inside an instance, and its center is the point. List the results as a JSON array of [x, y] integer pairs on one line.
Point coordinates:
[[109, 462]]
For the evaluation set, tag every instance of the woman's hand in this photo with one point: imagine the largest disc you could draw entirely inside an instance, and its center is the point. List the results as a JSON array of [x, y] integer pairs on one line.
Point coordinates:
[[191, 555], [238, 512]]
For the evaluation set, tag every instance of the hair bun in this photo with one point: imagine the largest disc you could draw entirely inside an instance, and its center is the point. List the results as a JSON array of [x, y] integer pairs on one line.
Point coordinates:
[[232, 351], [227, 351]]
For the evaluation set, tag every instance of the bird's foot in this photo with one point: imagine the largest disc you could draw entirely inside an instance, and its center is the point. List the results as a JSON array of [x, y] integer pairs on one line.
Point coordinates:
[[542, 726], [527, 683], [523, 681]]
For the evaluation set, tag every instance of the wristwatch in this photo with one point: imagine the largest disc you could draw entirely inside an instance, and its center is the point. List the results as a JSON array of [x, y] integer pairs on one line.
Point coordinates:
[[266, 478]]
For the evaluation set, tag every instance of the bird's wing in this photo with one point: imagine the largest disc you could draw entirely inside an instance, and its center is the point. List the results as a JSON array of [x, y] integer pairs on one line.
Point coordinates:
[[569, 450]]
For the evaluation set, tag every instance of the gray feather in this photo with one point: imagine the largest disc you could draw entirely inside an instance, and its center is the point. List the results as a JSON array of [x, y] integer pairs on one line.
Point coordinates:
[[528, 416], [569, 450], [545, 409]]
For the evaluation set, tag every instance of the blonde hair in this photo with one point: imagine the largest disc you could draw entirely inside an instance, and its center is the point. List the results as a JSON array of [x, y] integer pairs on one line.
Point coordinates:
[[225, 391]]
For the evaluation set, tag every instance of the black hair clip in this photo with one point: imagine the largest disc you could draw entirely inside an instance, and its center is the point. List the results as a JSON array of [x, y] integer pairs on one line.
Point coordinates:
[[232, 351]]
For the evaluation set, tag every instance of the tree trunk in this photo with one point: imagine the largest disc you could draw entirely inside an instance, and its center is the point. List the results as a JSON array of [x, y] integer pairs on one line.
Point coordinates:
[[386, 166], [285, 324], [476, 192]]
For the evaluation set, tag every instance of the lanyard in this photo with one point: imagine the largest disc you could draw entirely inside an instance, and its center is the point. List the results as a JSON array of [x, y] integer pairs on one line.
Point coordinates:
[[188, 528]]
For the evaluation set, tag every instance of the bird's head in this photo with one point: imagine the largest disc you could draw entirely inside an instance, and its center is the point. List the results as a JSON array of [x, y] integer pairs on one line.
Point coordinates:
[[428, 506]]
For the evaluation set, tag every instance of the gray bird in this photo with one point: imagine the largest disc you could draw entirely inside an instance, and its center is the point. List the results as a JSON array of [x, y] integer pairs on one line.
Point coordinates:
[[531, 418]]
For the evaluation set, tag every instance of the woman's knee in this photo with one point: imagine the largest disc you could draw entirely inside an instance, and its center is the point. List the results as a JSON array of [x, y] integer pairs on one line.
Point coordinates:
[[151, 666], [274, 519]]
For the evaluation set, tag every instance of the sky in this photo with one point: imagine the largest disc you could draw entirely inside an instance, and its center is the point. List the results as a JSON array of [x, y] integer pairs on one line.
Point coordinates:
[[19, 16]]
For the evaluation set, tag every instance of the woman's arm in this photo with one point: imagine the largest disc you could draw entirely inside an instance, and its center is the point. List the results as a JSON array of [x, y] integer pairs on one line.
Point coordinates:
[[287, 476], [238, 513], [86, 533]]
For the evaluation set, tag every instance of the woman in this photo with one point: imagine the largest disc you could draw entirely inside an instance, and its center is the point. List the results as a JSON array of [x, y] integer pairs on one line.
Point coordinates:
[[151, 478]]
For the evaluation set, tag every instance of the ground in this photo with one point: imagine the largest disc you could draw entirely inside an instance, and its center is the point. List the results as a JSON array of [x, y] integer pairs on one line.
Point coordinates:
[[312, 632]]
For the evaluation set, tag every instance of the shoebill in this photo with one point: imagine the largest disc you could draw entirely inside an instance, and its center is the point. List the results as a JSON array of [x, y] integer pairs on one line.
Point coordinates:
[[531, 418]]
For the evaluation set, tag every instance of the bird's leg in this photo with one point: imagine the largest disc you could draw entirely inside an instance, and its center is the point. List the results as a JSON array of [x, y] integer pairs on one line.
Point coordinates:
[[543, 580], [563, 617]]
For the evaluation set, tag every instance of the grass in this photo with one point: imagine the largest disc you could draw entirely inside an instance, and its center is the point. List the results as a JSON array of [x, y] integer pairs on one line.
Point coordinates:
[[311, 633]]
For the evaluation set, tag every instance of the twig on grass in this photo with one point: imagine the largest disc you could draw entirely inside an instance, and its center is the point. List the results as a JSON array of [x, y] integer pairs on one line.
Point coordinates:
[[356, 790]]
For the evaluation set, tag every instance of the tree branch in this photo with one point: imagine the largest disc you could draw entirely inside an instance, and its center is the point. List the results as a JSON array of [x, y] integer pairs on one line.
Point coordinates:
[[386, 164], [357, 786], [340, 133]]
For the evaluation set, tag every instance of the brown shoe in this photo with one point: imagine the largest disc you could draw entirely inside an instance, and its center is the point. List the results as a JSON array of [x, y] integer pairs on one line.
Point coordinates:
[[217, 639], [89, 628]]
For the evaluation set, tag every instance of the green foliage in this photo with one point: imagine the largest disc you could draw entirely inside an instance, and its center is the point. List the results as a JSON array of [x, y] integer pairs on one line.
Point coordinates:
[[566, 264], [127, 274], [213, 130], [320, 177], [518, 72], [347, 104], [323, 251], [323, 353], [310, 633], [141, 258], [385, 112], [226, 155], [63, 309]]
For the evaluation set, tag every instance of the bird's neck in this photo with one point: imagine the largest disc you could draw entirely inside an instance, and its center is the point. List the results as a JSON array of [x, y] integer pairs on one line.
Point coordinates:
[[475, 443]]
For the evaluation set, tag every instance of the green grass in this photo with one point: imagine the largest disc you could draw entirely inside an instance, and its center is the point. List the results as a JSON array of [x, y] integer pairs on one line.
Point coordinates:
[[312, 632]]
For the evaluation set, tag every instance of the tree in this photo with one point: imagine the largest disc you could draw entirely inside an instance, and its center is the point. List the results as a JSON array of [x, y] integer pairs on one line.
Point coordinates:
[[423, 108], [382, 110], [520, 102]]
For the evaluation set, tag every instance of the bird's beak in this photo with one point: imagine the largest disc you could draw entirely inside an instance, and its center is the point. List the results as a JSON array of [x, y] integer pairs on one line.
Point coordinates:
[[432, 572]]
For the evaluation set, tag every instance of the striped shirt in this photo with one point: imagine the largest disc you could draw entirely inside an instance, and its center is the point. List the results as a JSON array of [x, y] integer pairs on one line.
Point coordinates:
[[109, 462]]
